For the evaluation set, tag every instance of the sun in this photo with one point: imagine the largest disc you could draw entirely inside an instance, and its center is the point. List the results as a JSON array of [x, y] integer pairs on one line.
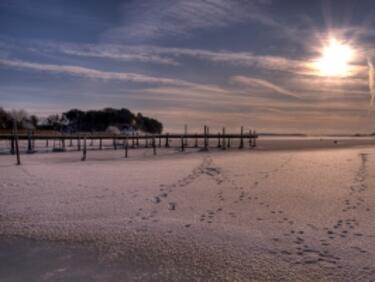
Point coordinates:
[[335, 59]]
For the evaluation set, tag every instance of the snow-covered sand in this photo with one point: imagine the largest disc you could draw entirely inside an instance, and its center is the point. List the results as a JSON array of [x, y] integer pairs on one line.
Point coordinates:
[[288, 215]]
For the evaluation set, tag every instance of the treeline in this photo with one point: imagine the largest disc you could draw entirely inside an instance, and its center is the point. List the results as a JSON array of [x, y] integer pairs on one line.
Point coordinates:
[[119, 120], [21, 117]]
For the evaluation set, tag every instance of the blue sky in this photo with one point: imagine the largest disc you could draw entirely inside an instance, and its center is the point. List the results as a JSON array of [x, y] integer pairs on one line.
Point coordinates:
[[217, 62]]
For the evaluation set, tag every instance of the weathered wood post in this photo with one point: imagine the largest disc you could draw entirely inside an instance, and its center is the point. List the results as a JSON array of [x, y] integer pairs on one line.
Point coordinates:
[[224, 145], [29, 142], [159, 141], [228, 145], [218, 140], [241, 139], [114, 142], [205, 138], [154, 145], [126, 146], [100, 144], [16, 142], [137, 143], [17, 150], [208, 137], [196, 141], [47, 142], [182, 144], [167, 140], [84, 152], [185, 133], [92, 140], [70, 142], [250, 140]]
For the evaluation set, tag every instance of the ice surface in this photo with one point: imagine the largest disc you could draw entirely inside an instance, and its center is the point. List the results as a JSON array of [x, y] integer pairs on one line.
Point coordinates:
[[238, 215]]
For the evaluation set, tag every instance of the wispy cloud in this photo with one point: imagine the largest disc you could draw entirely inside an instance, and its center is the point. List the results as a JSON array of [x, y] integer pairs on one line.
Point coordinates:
[[255, 82], [90, 73], [173, 56], [153, 19], [106, 75], [108, 51], [237, 58]]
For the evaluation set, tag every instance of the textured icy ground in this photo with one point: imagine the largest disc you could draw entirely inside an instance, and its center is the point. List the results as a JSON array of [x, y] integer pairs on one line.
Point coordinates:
[[271, 215]]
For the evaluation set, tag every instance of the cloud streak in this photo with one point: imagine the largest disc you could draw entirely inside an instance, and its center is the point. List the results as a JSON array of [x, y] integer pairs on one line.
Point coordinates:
[[236, 58], [255, 82], [155, 19], [113, 52], [173, 56], [98, 74], [84, 72]]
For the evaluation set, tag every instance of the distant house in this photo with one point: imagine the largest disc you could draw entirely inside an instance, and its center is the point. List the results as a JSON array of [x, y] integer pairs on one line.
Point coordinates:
[[27, 125], [124, 129], [127, 129]]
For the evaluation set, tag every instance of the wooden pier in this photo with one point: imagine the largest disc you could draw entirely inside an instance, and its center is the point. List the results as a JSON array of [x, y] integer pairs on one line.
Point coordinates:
[[84, 141]]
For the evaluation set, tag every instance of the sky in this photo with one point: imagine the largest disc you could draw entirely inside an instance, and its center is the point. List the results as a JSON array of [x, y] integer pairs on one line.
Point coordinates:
[[217, 62]]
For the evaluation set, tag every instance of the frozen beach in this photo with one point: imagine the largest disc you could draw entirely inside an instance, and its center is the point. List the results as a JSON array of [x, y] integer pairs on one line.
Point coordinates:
[[250, 215]]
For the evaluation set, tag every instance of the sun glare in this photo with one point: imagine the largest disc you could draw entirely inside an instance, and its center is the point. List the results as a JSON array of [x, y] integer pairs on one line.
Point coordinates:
[[335, 60]]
